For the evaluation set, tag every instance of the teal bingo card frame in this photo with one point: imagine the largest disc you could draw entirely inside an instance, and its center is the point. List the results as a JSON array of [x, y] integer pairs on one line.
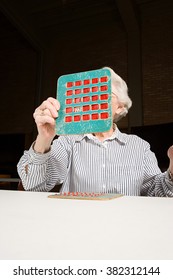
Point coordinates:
[[85, 102]]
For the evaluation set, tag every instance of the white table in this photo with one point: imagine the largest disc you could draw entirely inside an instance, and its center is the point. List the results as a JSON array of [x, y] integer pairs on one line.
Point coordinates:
[[33, 226]]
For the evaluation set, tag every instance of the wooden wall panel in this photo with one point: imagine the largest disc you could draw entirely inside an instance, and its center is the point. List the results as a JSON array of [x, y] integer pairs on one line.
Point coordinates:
[[157, 58], [18, 80]]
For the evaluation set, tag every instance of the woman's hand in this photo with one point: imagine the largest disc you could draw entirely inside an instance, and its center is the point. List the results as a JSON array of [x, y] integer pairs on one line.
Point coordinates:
[[45, 116], [170, 155]]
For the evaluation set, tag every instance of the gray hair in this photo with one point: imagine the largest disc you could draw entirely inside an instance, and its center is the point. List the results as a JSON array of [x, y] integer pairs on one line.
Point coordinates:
[[120, 89]]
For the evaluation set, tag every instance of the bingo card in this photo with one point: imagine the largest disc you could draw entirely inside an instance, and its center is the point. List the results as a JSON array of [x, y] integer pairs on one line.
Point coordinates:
[[85, 196], [85, 100]]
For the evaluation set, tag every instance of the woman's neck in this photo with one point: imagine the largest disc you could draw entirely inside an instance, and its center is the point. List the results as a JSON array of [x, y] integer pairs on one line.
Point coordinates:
[[104, 135]]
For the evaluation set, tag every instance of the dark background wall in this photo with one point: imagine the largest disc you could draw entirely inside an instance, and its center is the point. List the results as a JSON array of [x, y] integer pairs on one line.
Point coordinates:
[[41, 40]]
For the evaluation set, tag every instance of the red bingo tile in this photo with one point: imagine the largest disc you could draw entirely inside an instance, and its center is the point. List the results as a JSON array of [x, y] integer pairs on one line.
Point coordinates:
[[104, 88], [78, 83], [86, 117], [86, 108], [68, 119], [86, 98], [68, 110], [77, 100], [69, 92], [68, 101], [95, 80], [104, 79], [95, 89], [104, 115], [76, 118], [104, 106], [104, 96], [77, 91], [95, 116], [86, 90], [86, 82], [70, 84], [95, 97], [95, 107]]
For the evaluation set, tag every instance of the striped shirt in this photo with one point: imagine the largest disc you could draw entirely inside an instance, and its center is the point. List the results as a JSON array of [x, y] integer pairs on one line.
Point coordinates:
[[81, 163]]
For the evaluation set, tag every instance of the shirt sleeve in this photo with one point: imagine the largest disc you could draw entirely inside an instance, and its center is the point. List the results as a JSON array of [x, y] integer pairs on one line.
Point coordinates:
[[155, 182], [41, 172]]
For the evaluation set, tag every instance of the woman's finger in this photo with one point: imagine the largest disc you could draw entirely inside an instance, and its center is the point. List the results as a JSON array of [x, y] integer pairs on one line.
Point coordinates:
[[52, 107]]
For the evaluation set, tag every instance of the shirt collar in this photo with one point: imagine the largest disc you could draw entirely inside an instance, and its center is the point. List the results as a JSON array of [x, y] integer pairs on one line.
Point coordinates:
[[117, 134]]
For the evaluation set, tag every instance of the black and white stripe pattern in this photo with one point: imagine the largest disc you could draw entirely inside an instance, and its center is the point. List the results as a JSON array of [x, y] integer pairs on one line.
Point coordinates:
[[121, 164]]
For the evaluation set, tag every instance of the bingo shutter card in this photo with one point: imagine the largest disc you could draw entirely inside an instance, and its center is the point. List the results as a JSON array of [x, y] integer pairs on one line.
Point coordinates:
[[85, 196], [85, 100]]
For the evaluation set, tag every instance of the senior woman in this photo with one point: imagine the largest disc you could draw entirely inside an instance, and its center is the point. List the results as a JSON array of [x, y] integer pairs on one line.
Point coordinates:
[[108, 162]]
